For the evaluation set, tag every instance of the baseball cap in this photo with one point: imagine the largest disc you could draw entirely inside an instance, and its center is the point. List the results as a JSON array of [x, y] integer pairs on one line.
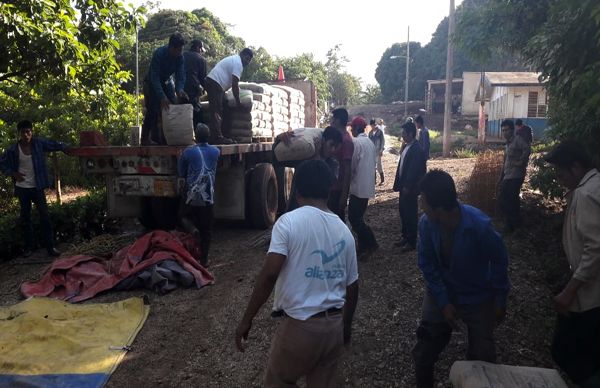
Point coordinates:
[[359, 122]]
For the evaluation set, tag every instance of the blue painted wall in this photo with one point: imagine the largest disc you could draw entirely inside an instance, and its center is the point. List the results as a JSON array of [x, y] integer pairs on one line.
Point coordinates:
[[539, 126]]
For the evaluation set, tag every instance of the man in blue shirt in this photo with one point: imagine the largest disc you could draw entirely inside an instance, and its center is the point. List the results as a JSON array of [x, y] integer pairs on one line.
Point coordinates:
[[159, 89], [423, 136], [198, 165], [465, 266], [25, 163]]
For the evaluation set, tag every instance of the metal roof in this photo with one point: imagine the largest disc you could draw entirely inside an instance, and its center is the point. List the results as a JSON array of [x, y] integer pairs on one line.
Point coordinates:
[[512, 78]]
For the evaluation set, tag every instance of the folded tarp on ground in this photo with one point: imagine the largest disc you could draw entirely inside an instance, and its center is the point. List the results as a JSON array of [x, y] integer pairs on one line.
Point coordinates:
[[81, 277], [49, 343]]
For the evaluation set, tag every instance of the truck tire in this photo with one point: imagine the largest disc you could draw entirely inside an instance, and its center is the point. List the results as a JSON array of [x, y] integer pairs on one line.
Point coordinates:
[[284, 175], [262, 196]]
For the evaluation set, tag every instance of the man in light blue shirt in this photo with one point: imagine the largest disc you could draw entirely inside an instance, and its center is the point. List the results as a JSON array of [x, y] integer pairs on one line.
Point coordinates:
[[198, 165]]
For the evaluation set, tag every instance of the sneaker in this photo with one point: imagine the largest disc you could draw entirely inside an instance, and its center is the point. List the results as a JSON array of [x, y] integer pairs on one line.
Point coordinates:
[[27, 252], [222, 140]]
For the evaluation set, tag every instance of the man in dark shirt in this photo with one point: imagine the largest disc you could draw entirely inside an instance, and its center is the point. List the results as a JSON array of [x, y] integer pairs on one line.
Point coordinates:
[[25, 163], [338, 197], [195, 73], [524, 131], [465, 267], [159, 90]]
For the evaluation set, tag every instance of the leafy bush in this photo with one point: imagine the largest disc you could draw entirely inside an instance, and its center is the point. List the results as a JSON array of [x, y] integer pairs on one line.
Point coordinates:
[[464, 153], [543, 178], [83, 217]]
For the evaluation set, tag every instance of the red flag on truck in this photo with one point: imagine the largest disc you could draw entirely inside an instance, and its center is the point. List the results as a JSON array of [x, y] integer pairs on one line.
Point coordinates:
[[280, 75]]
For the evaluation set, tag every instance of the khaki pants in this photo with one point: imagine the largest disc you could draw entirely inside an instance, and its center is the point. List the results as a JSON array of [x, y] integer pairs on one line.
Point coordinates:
[[308, 348]]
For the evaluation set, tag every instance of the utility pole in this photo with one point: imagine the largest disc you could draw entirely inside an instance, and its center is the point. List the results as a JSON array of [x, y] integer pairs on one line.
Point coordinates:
[[406, 80], [481, 126], [137, 77], [448, 96]]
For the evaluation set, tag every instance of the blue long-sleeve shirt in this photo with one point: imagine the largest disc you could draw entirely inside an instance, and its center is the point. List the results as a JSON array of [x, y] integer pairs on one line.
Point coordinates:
[[162, 67], [424, 141], [478, 266], [9, 161]]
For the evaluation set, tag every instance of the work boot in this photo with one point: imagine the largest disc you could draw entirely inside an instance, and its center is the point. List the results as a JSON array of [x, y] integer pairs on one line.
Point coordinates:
[[53, 252], [382, 179], [222, 140]]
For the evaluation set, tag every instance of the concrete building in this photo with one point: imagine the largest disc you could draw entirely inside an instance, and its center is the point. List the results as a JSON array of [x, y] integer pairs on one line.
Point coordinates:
[[513, 95]]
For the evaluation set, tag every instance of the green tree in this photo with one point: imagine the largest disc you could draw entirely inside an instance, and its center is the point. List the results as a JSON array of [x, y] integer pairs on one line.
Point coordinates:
[[344, 88], [262, 68], [371, 95], [391, 72], [306, 66], [560, 39]]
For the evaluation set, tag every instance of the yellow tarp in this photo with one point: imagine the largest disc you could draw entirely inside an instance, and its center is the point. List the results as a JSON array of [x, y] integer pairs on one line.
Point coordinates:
[[47, 336]]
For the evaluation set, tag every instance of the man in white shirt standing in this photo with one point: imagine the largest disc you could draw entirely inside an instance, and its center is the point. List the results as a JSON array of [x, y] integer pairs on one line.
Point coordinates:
[[362, 186], [311, 263], [576, 344], [225, 75]]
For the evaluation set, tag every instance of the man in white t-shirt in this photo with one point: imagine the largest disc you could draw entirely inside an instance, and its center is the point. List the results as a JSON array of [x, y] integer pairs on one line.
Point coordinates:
[[311, 263], [225, 75], [362, 186]]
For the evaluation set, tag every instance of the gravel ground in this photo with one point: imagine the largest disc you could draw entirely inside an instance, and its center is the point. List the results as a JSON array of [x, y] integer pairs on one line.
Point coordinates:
[[188, 337]]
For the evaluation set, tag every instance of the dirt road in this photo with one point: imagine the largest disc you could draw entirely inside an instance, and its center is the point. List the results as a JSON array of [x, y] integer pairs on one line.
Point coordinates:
[[188, 338]]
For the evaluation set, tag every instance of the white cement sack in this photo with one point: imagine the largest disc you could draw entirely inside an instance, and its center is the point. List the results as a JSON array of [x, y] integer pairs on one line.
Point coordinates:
[[245, 99], [242, 116], [467, 374], [262, 98], [178, 124], [303, 145], [257, 88]]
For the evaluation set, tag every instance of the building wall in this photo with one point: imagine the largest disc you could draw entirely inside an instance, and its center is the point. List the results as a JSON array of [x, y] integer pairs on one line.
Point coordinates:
[[509, 101], [470, 107]]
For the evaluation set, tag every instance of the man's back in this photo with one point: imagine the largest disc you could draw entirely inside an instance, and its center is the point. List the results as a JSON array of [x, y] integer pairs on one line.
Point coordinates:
[[195, 72], [225, 69], [362, 183], [320, 262]]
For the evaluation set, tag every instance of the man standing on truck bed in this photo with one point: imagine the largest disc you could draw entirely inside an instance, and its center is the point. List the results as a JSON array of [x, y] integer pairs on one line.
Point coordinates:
[[195, 74], [159, 90], [338, 198], [198, 165], [25, 162], [226, 74], [312, 266]]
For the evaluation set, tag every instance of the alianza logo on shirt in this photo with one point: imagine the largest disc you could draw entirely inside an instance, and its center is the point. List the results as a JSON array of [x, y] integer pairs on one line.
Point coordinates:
[[335, 272]]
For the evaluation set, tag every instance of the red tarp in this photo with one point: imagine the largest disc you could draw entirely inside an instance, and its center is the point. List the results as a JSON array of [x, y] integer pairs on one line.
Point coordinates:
[[80, 277]]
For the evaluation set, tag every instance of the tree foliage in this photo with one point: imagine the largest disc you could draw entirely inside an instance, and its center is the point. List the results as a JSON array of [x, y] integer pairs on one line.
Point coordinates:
[[560, 39], [429, 62], [306, 66]]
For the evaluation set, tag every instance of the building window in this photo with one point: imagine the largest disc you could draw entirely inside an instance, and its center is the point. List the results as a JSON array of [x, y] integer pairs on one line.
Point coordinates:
[[534, 107]]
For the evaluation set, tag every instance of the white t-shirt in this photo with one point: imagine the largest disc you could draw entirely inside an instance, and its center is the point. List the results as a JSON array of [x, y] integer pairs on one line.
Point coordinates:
[[224, 71], [26, 168], [362, 181], [320, 262]]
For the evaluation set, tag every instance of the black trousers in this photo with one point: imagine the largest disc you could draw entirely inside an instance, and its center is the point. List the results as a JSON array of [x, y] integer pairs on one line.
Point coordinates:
[[202, 219], [38, 198], [216, 99], [333, 203], [576, 344], [510, 202], [356, 215], [150, 127], [408, 206]]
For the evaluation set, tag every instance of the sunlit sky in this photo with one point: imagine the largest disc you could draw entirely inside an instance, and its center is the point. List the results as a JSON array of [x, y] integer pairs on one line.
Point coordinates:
[[364, 29]]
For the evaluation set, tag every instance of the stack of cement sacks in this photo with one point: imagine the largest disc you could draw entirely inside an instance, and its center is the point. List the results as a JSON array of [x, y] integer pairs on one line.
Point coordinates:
[[265, 112], [295, 102]]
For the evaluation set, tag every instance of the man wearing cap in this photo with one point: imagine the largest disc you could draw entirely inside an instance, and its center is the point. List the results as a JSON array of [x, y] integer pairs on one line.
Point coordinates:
[[362, 187], [378, 138], [195, 73], [198, 165], [576, 344], [338, 198], [224, 76], [159, 90], [411, 168]]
